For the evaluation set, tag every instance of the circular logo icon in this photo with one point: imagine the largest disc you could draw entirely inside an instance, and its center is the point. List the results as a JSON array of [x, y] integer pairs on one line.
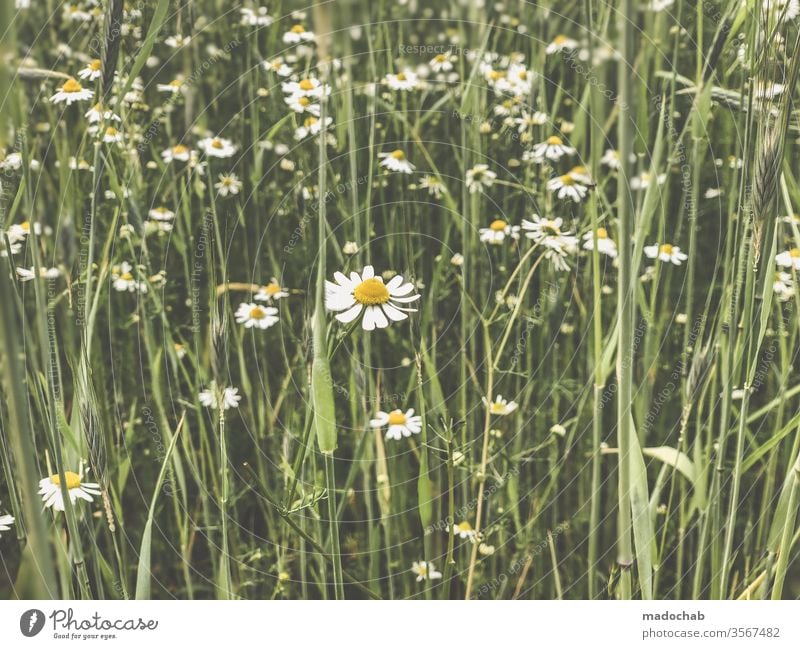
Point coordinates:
[[31, 622]]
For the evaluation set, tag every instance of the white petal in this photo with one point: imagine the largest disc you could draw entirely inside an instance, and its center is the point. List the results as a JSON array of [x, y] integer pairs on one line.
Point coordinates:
[[395, 314], [380, 318], [349, 315]]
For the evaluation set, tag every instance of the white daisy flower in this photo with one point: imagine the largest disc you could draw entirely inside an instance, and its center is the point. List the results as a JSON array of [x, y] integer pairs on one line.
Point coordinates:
[[6, 521], [548, 233], [112, 135], [98, 113], [254, 315], [380, 302], [71, 92], [272, 292], [434, 186], [396, 161], [561, 43], [173, 87], [553, 148], [463, 530], [255, 17], [528, 120], [27, 274], [784, 10], [645, 179], [50, 490], [179, 152], [497, 232], [605, 245], [278, 66], [210, 397], [311, 126], [309, 87], [566, 187], [123, 280], [783, 285], [443, 62], [611, 159], [92, 71], [216, 147], [302, 104], [786, 259], [500, 407], [405, 80], [401, 424], [177, 41], [228, 185], [480, 177], [298, 34], [580, 174], [660, 5], [161, 214], [665, 252], [11, 162], [425, 571]]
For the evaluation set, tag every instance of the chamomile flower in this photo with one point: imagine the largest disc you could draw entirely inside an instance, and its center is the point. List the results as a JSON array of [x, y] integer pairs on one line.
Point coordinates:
[[611, 159], [212, 397], [548, 233], [396, 161], [50, 490], [216, 147], [298, 34], [783, 10], [434, 186], [92, 71], [665, 252], [783, 285], [561, 43], [580, 174], [311, 126], [553, 148], [400, 424], [605, 245], [6, 521], [528, 120], [380, 302], [162, 216], [98, 113], [308, 87], [179, 152], [123, 280], [497, 232], [111, 135], [425, 571], [645, 179], [173, 87], [405, 80], [789, 259], [302, 104], [271, 292], [479, 178], [255, 17], [71, 92], [464, 530], [177, 41], [254, 315], [278, 66], [442, 62], [228, 185], [500, 407], [568, 188], [27, 274]]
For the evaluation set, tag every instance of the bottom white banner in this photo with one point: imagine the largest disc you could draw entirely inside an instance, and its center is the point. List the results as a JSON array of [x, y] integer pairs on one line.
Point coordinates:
[[386, 625]]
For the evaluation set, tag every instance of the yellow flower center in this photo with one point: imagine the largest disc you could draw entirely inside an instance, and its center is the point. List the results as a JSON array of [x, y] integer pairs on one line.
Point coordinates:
[[567, 180], [95, 65], [578, 170], [217, 143], [397, 154], [552, 227], [522, 75], [440, 58], [272, 288], [25, 225], [298, 29], [111, 131], [498, 225], [497, 408], [397, 418], [794, 253], [257, 313], [554, 140], [179, 149], [560, 39], [126, 277], [73, 479], [602, 233], [176, 83], [306, 84], [371, 291], [310, 121], [71, 86], [401, 76], [464, 526], [496, 75], [304, 101], [665, 249]]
